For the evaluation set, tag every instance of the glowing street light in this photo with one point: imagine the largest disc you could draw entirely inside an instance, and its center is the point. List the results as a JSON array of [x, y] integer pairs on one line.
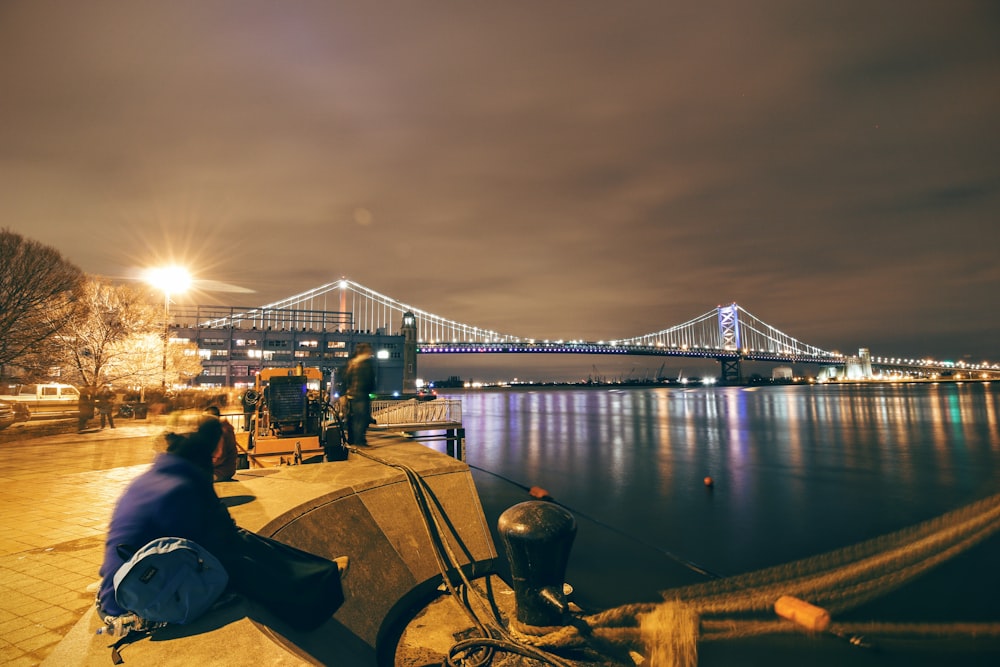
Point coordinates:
[[171, 280]]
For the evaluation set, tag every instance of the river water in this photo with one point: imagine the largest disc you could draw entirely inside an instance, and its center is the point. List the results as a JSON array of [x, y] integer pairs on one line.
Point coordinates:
[[797, 471]]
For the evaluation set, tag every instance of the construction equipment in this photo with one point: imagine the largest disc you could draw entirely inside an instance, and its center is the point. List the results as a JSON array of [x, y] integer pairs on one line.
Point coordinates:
[[291, 418]]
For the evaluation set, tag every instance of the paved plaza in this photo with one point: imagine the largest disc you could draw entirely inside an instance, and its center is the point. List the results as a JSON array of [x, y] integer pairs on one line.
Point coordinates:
[[57, 492]]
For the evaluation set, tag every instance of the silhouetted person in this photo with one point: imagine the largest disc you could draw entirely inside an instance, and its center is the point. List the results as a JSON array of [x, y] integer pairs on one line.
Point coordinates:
[[248, 399], [85, 408], [359, 378], [106, 406]]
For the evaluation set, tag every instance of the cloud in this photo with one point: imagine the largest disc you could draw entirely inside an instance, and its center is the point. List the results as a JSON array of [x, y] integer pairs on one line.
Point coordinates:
[[585, 170]]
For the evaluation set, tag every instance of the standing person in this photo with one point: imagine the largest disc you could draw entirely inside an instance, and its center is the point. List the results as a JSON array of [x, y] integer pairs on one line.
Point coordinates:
[[225, 454], [106, 406], [359, 378], [85, 408], [248, 399], [175, 498]]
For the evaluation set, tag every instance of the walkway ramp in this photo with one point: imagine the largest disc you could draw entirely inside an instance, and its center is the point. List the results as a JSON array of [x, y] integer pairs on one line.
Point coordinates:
[[413, 414]]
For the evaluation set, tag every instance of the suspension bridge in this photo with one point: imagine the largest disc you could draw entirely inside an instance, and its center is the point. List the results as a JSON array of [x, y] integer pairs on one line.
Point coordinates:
[[729, 333]]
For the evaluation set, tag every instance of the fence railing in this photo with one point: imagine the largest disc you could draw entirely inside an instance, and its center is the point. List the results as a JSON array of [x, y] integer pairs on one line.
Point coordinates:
[[412, 411], [389, 413]]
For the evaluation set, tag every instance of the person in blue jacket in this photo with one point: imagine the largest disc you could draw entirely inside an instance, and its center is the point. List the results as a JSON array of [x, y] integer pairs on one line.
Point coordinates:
[[176, 498]]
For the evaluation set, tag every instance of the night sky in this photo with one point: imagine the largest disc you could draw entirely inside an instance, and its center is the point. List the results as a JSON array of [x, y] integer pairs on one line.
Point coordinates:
[[588, 170]]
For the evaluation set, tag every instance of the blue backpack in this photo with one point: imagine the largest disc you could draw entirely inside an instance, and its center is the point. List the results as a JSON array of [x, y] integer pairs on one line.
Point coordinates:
[[170, 580]]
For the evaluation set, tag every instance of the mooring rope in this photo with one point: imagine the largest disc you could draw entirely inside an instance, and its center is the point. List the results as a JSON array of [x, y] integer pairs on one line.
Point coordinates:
[[667, 633], [493, 635], [845, 578], [694, 567], [840, 580]]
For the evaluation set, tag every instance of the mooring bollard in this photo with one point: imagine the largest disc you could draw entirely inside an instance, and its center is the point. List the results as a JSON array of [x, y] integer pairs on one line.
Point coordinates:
[[538, 536]]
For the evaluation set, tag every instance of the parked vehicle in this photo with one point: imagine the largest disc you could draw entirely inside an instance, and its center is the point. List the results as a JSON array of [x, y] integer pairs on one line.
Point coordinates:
[[7, 416], [41, 401]]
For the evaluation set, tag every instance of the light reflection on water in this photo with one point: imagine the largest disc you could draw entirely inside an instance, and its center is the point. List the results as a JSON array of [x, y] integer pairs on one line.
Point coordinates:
[[798, 470]]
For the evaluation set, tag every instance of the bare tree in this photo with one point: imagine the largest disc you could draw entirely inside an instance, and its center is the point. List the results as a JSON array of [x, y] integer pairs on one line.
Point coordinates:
[[39, 294], [139, 360], [120, 338], [100, 343], [183, 362]]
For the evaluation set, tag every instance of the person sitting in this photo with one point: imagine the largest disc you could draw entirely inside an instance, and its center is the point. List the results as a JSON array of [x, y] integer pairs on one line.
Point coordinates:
[[225, 455], [176, 498]]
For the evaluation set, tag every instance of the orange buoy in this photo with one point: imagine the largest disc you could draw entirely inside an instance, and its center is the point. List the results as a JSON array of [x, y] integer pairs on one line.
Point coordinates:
[[809, 616], [538, 492], [709, 482]]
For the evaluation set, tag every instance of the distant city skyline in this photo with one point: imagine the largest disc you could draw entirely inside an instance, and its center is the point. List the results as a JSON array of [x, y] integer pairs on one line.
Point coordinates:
[[554, 170]]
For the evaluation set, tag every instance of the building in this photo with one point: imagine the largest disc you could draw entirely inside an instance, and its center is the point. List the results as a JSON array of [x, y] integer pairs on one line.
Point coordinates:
[[236, 343], [782, 373], [854, 369], [865, 356]]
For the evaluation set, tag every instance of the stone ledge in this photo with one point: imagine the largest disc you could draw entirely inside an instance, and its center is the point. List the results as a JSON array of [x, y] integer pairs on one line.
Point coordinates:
[[359, 508]]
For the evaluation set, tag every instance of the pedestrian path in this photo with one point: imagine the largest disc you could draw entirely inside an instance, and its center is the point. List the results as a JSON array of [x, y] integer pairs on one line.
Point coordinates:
[[57, 493]]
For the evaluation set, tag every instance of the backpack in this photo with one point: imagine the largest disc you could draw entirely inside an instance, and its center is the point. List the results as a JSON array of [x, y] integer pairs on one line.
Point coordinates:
[[169, 580]]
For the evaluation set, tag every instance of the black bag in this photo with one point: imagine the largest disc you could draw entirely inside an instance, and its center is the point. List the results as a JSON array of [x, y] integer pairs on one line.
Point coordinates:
[[300, 588], [334, 442]]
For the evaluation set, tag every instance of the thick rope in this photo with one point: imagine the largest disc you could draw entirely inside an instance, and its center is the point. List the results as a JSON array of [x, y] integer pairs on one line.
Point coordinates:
[[478, 651], [845, 578], [840, 580], [668, 632]]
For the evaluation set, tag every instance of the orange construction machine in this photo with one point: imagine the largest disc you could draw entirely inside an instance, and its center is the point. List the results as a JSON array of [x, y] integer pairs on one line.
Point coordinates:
[[291, 421]]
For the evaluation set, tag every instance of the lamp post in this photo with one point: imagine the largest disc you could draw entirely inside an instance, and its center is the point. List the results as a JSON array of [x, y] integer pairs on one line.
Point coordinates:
[[172, 280]]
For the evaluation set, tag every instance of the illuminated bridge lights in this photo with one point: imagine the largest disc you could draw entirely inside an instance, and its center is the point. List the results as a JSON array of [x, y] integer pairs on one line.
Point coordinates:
[[726, 332]]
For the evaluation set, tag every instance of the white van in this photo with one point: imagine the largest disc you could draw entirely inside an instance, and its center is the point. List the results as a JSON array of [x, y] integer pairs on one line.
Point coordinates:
[[41, 401]]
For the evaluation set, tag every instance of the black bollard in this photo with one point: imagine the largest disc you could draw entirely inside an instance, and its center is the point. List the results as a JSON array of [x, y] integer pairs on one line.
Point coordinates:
[[538, 536]]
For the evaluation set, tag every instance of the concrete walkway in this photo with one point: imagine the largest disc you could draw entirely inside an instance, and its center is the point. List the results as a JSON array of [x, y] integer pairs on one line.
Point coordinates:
[[57, 492]]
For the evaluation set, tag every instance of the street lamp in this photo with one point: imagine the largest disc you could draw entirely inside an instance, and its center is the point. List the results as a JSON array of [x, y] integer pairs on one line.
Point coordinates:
[[171, 280]]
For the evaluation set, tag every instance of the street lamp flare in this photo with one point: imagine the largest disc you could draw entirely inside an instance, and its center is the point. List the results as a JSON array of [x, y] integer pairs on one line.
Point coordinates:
[[172, 280], [169, 279]]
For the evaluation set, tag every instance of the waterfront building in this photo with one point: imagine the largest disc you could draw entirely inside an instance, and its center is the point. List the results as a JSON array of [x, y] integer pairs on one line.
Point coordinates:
[[865, 355], [854, 369], [782, 373], [235, 343]]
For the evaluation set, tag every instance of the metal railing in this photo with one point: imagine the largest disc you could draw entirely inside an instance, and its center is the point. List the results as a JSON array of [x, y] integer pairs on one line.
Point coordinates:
[[412, 411]]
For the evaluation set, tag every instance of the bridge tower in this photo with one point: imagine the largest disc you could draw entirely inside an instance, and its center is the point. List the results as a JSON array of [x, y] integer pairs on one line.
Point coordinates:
[[409, 331], [866, 362], [729, 335], [731, 371]]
